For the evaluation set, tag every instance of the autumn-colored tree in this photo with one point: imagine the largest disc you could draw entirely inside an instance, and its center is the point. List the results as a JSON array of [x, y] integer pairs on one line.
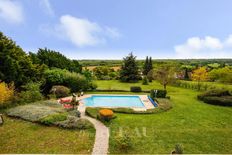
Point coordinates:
[[200, 75], [7, 92]]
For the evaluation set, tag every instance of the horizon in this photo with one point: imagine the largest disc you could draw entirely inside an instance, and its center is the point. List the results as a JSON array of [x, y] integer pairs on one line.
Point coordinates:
[[87, 29]]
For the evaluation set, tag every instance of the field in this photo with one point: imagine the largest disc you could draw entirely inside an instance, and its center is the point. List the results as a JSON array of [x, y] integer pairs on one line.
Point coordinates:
[[116, 68], [199, 127]]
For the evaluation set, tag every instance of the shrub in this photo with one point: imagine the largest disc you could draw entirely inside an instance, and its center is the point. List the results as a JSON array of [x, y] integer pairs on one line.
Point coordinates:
[[73, 122], [106, 114], [178, 149], [93, 86], [35, 112], [60, 91], [124, 141], [31, 93], [135, 89], [215, 92], [74, 81], [217, 97], [6, 93], [51, 119], [145, 81], [215, 100], [160, 94]]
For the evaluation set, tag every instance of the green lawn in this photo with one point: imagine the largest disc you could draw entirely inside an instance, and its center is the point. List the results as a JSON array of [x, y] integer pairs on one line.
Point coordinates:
[[116, 85], [199, 127], [18, 136]]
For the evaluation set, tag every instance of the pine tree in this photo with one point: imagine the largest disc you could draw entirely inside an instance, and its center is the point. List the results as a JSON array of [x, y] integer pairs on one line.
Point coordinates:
[[145, 67], [150, 65], [129, 70]]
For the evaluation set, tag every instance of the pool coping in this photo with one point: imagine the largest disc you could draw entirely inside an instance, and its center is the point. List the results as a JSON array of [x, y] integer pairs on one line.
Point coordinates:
[[144, 99]]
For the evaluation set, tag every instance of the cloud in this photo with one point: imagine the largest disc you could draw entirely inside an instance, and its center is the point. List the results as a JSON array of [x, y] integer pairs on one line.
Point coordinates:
[[47, 8], [80, 31], [11, 11], [207, 47]]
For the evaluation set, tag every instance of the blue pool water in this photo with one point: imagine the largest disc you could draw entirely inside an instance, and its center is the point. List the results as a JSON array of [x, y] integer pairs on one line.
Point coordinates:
[[113, 101]]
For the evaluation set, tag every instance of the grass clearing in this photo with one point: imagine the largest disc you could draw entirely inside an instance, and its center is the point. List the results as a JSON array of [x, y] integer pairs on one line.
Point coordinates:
[[21, 137]]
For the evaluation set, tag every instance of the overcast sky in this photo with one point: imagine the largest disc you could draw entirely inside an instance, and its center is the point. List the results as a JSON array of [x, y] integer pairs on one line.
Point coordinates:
[[110, 29]]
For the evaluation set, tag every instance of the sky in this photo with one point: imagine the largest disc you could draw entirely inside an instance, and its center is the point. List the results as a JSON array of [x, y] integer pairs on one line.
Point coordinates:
[[111, 29]]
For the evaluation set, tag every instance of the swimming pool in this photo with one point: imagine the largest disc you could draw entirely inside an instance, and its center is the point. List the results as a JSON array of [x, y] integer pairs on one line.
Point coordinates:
[[113, 101]]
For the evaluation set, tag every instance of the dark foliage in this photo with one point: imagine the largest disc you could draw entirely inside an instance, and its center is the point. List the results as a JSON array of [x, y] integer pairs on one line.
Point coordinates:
[[217, 97], [160, 94], [15, 65], [76, 82], [135, 89], [55, 59], [147, 65], [129, 70]]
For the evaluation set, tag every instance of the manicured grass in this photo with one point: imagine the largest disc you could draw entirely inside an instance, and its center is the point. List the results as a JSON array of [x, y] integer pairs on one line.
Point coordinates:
[[18, 136], [116, 85], [199, 127]]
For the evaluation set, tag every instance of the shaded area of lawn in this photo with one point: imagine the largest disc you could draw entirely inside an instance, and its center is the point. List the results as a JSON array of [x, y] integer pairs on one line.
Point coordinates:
[[199, 127], [18, 136]]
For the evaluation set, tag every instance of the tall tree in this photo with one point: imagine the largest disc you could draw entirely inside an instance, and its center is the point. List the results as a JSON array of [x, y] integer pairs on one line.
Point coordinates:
[[129, 71], [55, 59], [150, 64], [165, 74], [145, 67], [15, 65]]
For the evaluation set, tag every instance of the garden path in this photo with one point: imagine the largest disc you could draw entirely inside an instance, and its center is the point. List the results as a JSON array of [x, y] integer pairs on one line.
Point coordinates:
[[101, 143]]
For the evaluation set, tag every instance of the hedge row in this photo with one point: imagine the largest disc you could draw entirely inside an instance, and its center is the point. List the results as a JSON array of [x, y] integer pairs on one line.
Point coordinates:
[[217, 97]]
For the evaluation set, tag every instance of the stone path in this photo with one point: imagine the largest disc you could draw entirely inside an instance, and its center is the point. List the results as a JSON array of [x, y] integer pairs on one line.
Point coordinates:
[[101, 143]]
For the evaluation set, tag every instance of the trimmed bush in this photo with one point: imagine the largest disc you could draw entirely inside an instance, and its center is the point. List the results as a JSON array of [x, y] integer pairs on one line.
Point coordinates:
[[215, 100], [160, 94], [217, 97], [106, 114], [215, 92], [135, 89], [60, 91], [51, 119]]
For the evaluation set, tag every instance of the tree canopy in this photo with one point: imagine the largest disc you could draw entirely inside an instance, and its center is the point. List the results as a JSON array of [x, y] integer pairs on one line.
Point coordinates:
[[129, 71], [15, 65], [55, 59]]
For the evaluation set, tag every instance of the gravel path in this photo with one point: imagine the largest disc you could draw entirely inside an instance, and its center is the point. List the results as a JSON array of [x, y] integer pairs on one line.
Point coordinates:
[[101, 143]]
